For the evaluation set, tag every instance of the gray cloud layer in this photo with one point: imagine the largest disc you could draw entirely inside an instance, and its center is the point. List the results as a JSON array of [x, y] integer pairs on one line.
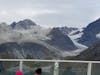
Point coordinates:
[[51, 12]]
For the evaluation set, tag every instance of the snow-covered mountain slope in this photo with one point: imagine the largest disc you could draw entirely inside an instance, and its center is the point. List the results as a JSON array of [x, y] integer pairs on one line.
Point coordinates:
[[50, 42], [74, 36]]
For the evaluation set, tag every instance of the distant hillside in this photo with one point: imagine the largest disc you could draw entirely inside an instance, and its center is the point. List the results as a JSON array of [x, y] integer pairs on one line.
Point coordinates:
[[92, 53]]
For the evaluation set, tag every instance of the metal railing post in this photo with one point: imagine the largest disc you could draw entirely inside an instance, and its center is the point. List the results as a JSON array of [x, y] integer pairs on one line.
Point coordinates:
[[56, 68], [89, 71], [21, 66]]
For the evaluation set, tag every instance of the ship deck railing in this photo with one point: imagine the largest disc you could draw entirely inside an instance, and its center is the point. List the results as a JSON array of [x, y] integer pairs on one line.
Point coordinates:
[[56, 63]]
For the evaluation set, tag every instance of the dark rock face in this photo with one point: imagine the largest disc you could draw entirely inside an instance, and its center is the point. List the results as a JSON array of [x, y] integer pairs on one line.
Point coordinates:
[[89, 37], [25, 24], [67, 30], [25, 49], [92, 53], [13, 25], [76, 33], [61, 41]]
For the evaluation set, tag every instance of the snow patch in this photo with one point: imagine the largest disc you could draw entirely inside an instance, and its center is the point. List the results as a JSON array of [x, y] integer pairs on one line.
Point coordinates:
[[78, 45], [72, 53], [98, 35]]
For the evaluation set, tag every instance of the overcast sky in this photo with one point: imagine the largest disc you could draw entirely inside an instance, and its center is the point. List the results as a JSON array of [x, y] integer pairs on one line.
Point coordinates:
[[77, 13]]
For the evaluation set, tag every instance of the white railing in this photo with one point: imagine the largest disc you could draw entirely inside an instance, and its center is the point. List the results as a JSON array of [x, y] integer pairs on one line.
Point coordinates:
[[56, 66]]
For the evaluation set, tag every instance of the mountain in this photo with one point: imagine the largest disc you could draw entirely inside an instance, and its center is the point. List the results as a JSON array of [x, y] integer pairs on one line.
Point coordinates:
[[91, 34], [92, 53], [25, 50], [61, 41], [26, 39], [24, 24]]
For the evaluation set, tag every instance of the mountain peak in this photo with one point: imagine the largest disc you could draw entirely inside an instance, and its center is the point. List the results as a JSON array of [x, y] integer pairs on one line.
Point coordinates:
[[23, 24], [90, 33], [93, 24], [28, 21]]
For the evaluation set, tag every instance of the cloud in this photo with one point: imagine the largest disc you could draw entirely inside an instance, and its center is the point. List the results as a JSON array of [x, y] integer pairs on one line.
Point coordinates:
[[31, 12], [22, 13], [76, 13]]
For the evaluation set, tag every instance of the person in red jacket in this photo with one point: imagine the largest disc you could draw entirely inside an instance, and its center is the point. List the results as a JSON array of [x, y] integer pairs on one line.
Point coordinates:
[[19, 73], [38, 71]]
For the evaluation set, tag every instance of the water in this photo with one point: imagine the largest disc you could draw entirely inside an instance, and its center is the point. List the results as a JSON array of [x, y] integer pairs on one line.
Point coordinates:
[[73, 69]]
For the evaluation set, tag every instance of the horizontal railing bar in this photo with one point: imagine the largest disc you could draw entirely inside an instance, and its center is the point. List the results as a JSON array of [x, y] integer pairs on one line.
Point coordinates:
[[39, 60]]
